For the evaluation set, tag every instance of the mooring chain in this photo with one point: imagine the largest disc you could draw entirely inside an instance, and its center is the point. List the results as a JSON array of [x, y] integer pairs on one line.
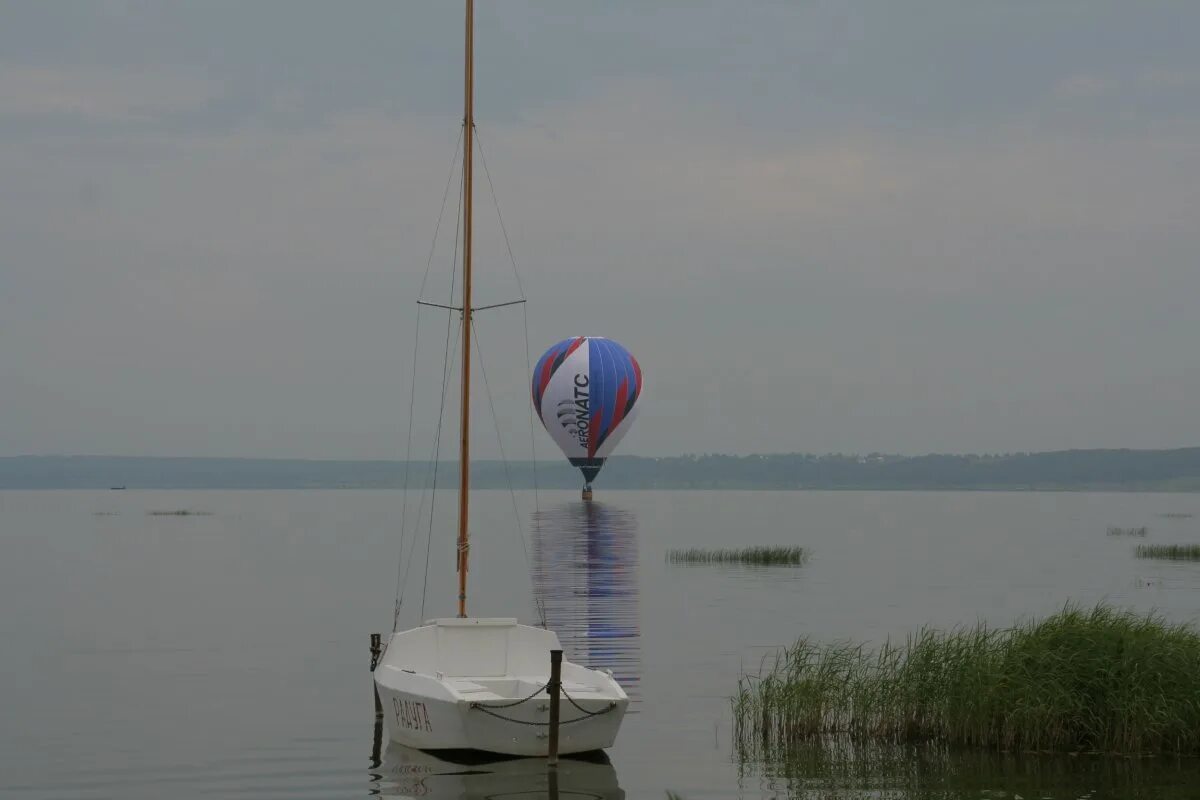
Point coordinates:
[[536, 692], [488, 711], [571, 700]]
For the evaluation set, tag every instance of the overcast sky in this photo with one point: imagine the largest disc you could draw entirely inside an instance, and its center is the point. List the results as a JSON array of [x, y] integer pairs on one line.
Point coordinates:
[[820, 226]]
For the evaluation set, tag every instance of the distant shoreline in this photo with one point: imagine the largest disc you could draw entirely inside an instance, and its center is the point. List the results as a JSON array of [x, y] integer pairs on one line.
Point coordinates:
[[601, 490], [1097, 470]]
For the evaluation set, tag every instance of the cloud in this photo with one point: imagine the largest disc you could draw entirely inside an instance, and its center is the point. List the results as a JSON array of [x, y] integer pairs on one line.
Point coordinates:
[[99, 94], [913, 290], [1146, 79]]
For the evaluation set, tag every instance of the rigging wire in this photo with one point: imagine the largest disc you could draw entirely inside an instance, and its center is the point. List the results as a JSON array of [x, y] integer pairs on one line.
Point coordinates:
[[407, 461], [413, 389], [507, 475], [536, 520], [430, 475], [525, 313], [537, 505], [447, 361], [436, 464], [499, 216]]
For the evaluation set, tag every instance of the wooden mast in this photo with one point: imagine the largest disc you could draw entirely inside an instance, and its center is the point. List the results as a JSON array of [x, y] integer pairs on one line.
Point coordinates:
[[464, 456]]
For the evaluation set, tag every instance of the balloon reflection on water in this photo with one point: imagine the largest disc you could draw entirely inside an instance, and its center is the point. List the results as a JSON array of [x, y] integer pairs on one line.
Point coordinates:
[[585, 558]]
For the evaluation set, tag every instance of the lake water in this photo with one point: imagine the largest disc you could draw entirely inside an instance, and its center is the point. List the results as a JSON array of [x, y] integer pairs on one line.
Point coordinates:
[[225, 654]]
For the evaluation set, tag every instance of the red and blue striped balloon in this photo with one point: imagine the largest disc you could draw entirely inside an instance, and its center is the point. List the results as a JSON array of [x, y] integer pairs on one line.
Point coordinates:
[[586, 390]]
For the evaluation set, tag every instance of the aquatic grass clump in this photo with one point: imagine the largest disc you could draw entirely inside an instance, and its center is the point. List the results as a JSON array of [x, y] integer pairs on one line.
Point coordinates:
[[1101, 680], [1115, 531], [1169, 552], [182, 512], [755, 556]]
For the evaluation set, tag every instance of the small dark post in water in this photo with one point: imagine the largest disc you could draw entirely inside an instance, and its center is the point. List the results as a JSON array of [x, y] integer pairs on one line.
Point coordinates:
[[555, 689], [376, 652], [377, 743]]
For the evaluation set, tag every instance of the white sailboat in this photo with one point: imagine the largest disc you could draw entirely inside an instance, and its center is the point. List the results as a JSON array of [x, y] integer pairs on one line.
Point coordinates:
[[482, 683]]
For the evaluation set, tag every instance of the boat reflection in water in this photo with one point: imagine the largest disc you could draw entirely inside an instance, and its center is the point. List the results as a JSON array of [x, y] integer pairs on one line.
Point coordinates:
[[585, 558], [405, 772]]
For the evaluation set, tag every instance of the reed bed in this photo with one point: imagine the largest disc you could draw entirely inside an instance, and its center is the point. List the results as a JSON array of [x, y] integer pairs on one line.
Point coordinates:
[[1140, 531], [1098, 680], [1169, 552], [754, 556], [182, 512]]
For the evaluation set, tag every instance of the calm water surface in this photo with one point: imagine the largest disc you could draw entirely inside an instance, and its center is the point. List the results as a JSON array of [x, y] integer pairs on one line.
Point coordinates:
[[225, 654]]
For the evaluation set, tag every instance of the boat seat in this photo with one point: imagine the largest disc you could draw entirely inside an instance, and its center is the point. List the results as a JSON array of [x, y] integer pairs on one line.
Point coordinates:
[[464, 686], [469, 686], [573, 687]]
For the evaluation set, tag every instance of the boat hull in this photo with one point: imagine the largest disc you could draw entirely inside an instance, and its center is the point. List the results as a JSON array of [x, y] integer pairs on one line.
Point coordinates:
[[438, 707], [425, 723]]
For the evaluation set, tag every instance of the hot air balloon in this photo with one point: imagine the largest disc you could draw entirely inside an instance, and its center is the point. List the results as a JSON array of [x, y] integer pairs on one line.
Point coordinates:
[[586, 390]]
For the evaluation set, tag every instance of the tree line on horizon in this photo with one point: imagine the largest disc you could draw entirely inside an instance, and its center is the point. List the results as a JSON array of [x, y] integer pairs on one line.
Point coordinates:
[[1168, 470]]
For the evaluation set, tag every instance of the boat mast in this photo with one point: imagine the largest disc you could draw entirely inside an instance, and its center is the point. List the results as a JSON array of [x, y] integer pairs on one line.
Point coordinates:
[[464, 460]]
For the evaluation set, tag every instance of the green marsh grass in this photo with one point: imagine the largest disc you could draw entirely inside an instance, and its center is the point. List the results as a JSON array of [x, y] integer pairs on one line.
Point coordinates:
[[1098, 680], [755, 556], [182, 512], [1139, 531], [1169, 552]]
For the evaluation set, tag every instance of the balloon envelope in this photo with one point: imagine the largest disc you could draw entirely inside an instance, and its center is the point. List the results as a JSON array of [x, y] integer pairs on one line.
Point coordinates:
[[586, 390]]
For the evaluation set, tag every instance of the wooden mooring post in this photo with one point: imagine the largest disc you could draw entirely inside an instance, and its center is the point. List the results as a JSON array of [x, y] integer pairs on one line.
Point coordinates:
[[555, 691], [376, 652]]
